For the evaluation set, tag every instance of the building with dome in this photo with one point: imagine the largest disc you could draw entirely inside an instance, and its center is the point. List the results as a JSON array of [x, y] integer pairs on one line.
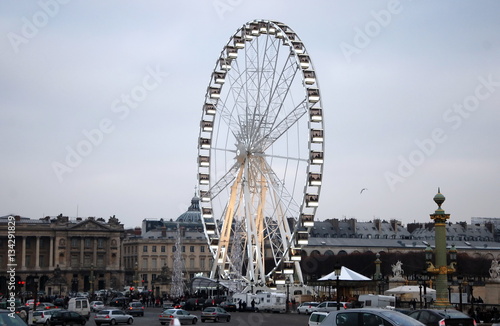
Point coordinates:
[[149, 250]]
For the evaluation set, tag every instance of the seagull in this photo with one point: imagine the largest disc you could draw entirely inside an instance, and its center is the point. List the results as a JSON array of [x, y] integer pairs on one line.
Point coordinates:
[[363, 190]]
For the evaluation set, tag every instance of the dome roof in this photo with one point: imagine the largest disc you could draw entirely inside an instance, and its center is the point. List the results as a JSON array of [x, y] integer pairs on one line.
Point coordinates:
[[193, 214]]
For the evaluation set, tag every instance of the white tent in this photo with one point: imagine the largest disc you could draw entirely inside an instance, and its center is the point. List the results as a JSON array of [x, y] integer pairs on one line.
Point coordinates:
[[346, 274]]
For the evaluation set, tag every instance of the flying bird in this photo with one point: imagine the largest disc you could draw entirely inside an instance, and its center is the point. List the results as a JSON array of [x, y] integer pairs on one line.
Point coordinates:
[[363, 190]]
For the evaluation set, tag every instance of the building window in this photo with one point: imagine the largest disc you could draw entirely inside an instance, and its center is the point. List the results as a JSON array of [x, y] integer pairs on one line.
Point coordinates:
[[162, 248], [163, 262], [74, 242], [183, 248], [153, 263], [88, 243], [145, 249], [174, 248], [154, 249], [202, 248], [74, 261], [28, 242], [86, 260], [191, 249], [191, 262], [202, 263], [100, 243], [144, 263], [100, 260]]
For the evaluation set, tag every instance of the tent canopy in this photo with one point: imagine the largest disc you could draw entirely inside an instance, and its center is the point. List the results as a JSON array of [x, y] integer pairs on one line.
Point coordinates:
[[409, 289], [346, 274]]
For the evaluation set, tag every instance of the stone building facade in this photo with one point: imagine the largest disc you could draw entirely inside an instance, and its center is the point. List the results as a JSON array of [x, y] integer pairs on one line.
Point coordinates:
[[64, 255]]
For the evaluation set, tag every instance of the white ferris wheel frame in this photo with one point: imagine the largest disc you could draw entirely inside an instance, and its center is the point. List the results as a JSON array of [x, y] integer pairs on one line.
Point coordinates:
[[250, 181]]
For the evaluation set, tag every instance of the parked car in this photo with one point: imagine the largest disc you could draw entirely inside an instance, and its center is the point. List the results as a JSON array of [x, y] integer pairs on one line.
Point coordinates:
[[29, 303], [135, 308], [369, 317], [43, 316], [182, 315], [215, 314], [112, 317], [12, 320], [316, 318], [327, 306], [194, 304], [447, 317], [168, 305], [228, 306], [119, 302], [306, 307], [96, 306], [65, 317], [45, 306]]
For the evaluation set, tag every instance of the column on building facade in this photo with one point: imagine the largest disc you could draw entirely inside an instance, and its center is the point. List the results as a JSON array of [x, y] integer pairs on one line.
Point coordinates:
[[37, 252], [23, 252], [51, 253], [94, 255], [82, 250]]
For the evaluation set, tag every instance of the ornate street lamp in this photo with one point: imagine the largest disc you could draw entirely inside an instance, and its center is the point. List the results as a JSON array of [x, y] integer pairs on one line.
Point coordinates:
[[460, 280], [92, 280], [440, 268], [338, 270], [36, 279]]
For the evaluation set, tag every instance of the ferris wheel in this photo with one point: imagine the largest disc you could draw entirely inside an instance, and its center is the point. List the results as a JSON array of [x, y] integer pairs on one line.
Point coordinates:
[[260, 154]]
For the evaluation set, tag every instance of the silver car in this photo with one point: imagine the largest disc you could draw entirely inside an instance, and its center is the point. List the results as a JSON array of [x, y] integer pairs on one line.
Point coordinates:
[[112, 317], [369, 317], [182, 315], [43, 316]]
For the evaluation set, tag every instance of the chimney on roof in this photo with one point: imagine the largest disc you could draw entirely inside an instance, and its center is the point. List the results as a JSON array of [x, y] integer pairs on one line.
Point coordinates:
[[377, 224], [394, 225], [17, 218], [137, 230], [163, 231]]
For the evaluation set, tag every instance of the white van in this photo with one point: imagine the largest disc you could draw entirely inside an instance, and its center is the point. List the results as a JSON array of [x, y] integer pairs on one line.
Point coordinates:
[[377, 301], [80, 305]]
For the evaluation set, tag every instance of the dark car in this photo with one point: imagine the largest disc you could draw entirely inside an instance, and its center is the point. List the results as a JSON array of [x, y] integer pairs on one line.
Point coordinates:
[[135, 308], [444, 317], [228, 306], [64, 317], [194, 304], [119, 302], [215, 314], [369, 317], [6, 318]]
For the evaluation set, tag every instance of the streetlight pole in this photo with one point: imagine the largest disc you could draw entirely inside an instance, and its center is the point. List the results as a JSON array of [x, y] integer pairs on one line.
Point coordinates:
[[287, 282], [35, 295], [338, 270], [92, 280], [460, 281]]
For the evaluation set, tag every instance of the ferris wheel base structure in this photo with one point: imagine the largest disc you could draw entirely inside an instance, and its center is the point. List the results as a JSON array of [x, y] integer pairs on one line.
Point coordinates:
[[260, 156]]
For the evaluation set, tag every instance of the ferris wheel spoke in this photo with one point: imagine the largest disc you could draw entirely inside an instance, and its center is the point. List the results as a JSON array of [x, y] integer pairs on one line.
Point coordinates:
[[281, 127], [225, 180]]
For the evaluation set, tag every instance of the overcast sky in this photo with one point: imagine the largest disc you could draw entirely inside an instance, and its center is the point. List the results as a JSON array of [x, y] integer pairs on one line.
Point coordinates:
[[410, 95]]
